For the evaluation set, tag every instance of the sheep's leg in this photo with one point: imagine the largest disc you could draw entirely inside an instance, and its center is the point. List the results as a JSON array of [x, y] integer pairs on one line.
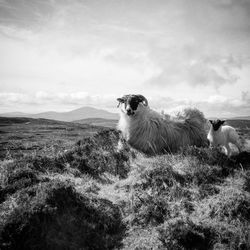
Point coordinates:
[[228, 150], [120, 145], [222, 149]]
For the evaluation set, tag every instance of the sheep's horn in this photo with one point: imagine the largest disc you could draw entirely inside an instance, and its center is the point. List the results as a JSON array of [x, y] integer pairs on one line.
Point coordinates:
[[143, 99]]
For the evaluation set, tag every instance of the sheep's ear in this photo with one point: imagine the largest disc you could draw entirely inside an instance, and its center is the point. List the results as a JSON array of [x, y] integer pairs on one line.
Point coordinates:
[[211, 121], [222, 122], [120, 99]]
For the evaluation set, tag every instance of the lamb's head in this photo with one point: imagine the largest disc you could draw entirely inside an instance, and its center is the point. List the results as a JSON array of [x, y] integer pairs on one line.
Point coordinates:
[[216, 124], [131, 104]]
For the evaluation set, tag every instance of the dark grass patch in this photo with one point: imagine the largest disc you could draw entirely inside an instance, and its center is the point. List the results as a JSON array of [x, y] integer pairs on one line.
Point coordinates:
[[15, 177], [184, 233], [242, 160], [180, 234], [52, 215]]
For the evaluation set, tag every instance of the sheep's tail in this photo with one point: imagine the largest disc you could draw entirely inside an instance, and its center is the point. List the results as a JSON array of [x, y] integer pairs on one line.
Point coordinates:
[[193, 116]]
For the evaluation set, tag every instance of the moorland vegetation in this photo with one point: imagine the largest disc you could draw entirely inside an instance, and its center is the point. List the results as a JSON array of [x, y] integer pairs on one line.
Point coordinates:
[[88, 195]]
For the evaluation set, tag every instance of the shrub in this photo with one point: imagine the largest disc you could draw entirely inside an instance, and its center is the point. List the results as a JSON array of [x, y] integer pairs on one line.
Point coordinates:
[[200, 174], [230, 204], [210, 156], [96, 155]]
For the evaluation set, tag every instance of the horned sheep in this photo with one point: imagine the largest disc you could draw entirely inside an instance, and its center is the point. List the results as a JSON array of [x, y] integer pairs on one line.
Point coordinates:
[[153, 133]]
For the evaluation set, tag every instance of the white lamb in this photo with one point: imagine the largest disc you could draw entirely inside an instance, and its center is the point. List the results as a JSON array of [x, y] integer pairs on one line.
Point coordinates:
[[152, 133], [219, 135]]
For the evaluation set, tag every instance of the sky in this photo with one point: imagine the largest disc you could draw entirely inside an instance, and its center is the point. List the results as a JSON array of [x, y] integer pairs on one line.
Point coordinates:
[[64, 54]]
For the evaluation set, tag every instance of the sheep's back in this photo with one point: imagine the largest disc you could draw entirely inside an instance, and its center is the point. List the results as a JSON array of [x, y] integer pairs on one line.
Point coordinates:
[[231, 133]]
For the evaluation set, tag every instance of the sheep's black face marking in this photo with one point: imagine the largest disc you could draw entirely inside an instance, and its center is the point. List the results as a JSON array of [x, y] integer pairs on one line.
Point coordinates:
[[216, 124], [131, 103]]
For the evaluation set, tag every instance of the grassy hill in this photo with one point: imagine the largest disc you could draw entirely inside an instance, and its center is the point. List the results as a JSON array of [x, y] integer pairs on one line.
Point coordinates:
[[84, 194]]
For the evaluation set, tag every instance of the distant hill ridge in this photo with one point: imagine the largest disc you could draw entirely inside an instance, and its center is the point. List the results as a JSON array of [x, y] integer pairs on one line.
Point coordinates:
[[73, 115], [229, 118], [240, 118]]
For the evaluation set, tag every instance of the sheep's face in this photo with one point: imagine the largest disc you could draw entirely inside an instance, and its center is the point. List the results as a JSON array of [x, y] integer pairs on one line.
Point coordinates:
[[216, 124], [131, 104]]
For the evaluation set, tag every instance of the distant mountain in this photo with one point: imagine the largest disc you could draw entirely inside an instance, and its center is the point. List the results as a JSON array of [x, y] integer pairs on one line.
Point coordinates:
[[241, 118], [77, 114], [230, 118], [111, 123]]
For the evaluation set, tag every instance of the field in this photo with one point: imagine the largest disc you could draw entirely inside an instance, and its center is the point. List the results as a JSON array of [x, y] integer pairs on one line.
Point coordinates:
[[26, 135], [65, 186], [99, 122]]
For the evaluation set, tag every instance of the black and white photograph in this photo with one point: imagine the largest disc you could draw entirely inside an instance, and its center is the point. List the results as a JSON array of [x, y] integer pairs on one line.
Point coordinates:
[[124, 124]]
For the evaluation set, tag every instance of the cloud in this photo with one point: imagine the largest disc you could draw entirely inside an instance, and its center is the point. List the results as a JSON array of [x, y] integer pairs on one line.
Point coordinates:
[[213, 74], [191, 64], [25, 14], [204, 46], [214, 106], [42, 97], [223, 106]]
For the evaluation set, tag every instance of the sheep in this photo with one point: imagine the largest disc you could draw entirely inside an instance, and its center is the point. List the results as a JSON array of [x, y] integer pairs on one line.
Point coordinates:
[[219, 135], [153, 133]]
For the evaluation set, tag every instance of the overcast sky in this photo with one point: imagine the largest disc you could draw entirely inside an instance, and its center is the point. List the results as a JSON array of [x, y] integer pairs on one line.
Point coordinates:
[[64, 54]]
